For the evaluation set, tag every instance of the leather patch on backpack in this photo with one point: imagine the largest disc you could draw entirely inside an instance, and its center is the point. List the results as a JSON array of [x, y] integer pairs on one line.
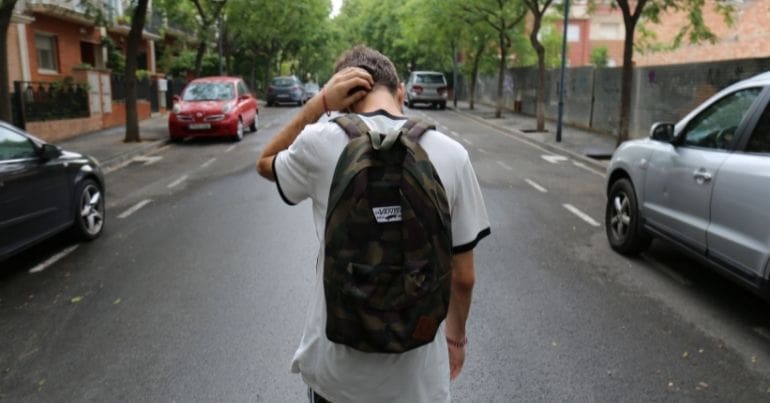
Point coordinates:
[[425, 329]]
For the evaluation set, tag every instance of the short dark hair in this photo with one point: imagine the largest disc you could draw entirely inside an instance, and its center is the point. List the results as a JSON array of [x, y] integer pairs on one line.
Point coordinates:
[[378, 65]]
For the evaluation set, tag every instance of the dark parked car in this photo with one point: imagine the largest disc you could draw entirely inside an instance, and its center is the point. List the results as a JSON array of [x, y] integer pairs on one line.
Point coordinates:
[[702, 183], [45, 190], [287, 89]]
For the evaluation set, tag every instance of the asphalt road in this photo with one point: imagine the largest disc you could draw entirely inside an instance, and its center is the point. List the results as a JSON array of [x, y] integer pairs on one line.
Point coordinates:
[[198, 289]]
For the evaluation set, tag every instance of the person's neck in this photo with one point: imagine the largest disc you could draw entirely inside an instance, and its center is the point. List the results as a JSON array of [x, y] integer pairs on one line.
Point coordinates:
[[379, 98]]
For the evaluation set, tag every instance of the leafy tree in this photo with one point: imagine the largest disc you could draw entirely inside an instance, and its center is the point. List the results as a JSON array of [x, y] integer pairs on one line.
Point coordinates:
[[695, 30], [132, 50], [209, 12], [6, 12], [502, 16], [538, 8], [600, 56]]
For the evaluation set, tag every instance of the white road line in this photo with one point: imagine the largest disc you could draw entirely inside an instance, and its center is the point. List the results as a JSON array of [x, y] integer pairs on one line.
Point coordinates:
[[583, 216], [177, 182], [53, 259], [536, 185], [554, 158], [231, 148], [117, 167], [207, 163], [481, 150], [267, 125], [504, 165], [454, 133], [587, 168], [134, 209], [466, 141]]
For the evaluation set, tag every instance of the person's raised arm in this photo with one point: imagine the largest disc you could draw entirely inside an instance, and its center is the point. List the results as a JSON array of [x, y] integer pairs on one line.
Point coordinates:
[[334, 96], [463, 279]]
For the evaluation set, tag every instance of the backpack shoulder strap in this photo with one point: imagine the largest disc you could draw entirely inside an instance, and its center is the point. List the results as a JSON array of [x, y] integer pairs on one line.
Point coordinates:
[[414, 128], [352, 124]]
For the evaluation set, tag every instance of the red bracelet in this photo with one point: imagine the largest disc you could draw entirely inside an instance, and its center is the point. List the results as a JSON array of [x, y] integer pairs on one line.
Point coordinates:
[[326, 107], [458, 344]]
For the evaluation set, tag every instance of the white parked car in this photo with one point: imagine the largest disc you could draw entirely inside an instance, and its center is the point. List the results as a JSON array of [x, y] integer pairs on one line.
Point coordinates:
[[703, 184]]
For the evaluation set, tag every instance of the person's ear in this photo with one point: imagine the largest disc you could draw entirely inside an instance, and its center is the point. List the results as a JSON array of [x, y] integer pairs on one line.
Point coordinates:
[[400, 94]]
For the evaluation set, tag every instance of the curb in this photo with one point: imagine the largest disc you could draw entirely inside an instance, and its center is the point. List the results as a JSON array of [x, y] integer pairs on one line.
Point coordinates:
[[110, 164], [554, 148]]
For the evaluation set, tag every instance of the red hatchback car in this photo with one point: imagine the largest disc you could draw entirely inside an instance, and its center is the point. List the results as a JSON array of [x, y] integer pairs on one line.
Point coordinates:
[[213, 107]]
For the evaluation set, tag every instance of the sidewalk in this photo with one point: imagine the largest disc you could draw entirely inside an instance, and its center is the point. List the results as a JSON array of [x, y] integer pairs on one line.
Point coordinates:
[[107, 145], [583, 145]]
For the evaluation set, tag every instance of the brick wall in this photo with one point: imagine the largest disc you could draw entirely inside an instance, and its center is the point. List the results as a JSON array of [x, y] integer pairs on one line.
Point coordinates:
[[57, 130], [68, 38], [118, 115], [748, 38]]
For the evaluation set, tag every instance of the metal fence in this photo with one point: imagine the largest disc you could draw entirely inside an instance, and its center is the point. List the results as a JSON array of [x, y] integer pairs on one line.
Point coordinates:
[[118, 82], [39, 101]]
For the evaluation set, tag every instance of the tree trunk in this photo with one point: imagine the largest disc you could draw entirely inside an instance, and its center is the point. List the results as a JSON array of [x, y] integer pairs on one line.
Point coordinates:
[[199, 56], [455, 74], [475, 73], [500, 76], [625, 85], [6, 11], [134, 37], [540, 50]]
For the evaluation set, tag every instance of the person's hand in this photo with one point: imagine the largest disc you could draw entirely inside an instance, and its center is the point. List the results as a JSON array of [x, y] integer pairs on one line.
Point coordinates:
[[337, 90], [456, 360]]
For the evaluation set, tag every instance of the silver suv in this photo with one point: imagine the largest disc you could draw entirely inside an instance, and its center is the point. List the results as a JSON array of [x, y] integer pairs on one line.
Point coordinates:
[[426, 87], [703, 184]]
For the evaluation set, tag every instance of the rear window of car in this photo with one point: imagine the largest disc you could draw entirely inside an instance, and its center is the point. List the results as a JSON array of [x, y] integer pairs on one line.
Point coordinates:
[[283, 82], [311, 87], [429, 79], [209, 92]]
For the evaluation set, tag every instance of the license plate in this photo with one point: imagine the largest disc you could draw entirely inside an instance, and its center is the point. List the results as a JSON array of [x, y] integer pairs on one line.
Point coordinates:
[[200, 126]]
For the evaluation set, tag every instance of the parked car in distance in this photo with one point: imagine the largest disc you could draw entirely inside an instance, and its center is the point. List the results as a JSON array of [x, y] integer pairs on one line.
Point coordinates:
[[44, 191], [214, 107], [703, 184], [427, 87], [311, 89], [285, 89]]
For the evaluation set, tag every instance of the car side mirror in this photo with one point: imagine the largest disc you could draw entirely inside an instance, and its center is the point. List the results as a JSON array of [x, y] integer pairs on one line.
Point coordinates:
[[662, 131], [176, 98], [49, 152], [243, 97]]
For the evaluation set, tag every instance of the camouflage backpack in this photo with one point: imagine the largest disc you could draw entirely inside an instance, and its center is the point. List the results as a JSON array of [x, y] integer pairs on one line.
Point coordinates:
[[388, 251]]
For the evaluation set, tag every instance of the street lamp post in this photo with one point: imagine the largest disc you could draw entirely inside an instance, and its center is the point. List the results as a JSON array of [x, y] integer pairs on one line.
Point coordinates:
[[560, 120]]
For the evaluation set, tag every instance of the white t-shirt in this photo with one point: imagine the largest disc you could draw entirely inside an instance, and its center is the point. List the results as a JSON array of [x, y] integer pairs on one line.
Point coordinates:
[[337, 372]]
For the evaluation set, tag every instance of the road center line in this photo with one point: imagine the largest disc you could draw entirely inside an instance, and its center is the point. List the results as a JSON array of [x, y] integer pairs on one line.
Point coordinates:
[[134, 209], [504, 165], [231, 148], [177, 182], [207, 163], [583, 216], [53, 259], [536, 185]]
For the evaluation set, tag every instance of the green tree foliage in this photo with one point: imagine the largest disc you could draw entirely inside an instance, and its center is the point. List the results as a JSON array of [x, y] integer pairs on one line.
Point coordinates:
[[600, 56]]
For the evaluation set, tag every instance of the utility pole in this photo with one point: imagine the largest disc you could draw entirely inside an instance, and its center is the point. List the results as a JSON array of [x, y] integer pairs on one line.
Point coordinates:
[[560, 120]]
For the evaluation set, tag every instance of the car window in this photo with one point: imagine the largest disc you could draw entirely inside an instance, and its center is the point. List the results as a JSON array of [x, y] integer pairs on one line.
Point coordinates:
[[242, 88], [715, 126], [14, 146], [430, 79], [759, 142], [283, 81], [209, 92], [311, 87]]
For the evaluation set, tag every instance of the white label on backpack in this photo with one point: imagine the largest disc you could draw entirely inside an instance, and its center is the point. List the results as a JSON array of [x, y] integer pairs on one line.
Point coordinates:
[[387, 214]]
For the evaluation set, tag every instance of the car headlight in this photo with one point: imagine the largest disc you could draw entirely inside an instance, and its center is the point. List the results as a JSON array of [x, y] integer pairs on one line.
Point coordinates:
[[176, 109], [228, 108]]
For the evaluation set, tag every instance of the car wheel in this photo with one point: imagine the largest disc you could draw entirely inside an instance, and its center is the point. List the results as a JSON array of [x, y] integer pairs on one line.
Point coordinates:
[[269, 103], [89, 216], [239, 130], [410, 104], [253, 127], [623, 221]]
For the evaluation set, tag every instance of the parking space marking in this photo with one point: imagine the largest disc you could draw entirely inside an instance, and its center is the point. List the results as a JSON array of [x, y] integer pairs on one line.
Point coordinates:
[[53, 259], [134, 209], [587, 168], [504, 165], [177, 182], [536, 185], [583, 216], [231, 148], [554, 158], [207, 163]]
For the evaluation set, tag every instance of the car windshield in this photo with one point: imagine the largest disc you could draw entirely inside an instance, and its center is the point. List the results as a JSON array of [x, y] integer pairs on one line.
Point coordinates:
[[209, 92], [430, 79], [311, 87], [283, 82]]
